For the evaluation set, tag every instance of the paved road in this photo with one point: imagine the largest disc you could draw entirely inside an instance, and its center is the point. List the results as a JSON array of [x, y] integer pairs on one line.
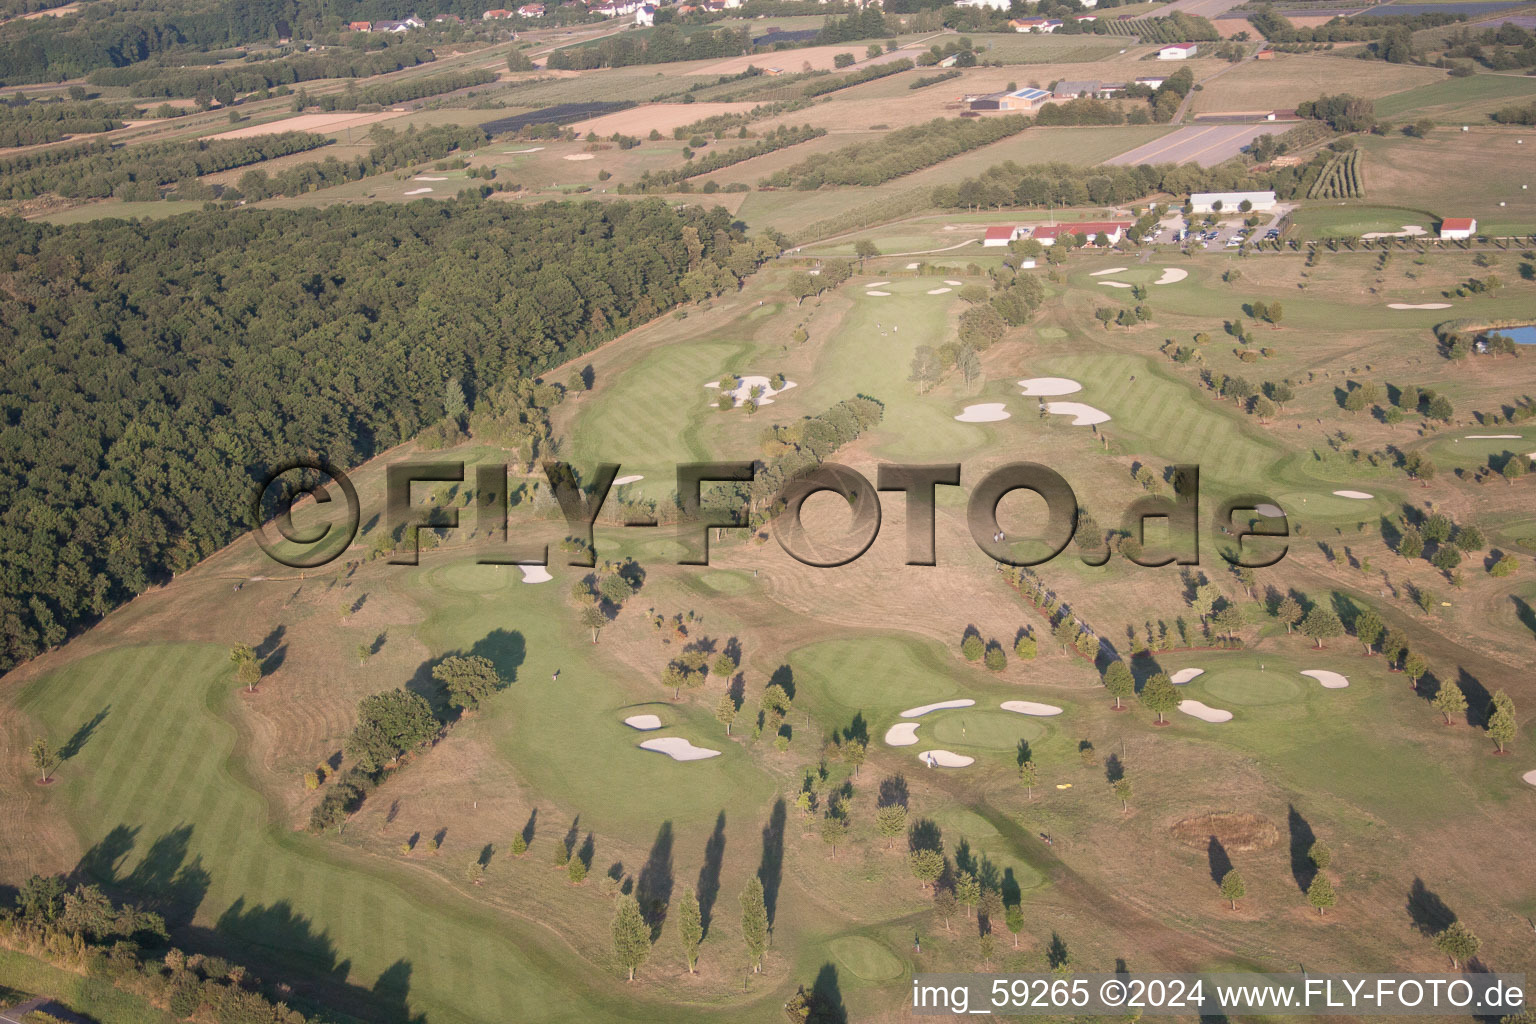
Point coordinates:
[[1206, 145]]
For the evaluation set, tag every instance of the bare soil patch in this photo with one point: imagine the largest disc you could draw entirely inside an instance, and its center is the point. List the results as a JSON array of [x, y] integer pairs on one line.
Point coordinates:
[[1237, 831], [322, 123], [661, 116]]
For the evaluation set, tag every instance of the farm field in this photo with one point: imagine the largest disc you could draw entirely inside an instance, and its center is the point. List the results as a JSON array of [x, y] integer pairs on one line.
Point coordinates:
[[1291, 78]]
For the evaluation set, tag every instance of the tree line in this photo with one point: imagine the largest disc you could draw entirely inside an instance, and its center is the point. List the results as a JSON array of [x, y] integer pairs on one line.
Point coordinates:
[[781, 137], [1057, 184], [145, 400], [394, 150], [387, 93], [154, 79], [664, 44], [28, 123], [896, 153], [97, 170]]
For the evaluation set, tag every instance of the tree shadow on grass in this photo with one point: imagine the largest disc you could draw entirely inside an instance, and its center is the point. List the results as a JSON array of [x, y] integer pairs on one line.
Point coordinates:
[[1429, 913], [653, 887], [82, 735], [770, 869], [1302, 838], [784, 676], [1525, 613], [1220, 862], [708, 888], [827, 998]]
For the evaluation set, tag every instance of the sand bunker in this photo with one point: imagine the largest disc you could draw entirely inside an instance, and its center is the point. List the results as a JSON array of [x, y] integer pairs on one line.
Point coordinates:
[[945, 759], [1172, 275], [939, 291], [952, 284], [1529, 777], [1084, 414], [516, 152], [913, 266], [1029, 707], [633, 479], [1273, 511], [1184, 675], [1357, 495], [644, 723], [429, 177], [1493, 437], [744, 389], [903, 734], [877, 295], [578, 156], [987, 412], [1330, 680], [678, 749], [1421, 305], [535, 574], [942, 705], [1204, 712], [1050, 386], [876, 284], [1111, 270], [418, 191], [1114, 284]]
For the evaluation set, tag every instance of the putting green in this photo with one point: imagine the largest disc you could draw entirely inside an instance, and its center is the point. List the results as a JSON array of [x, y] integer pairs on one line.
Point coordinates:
[[865, 958], [1250, 687], [874, 672], [725, 582], [1051, 333], [470, 578], [988, 730]]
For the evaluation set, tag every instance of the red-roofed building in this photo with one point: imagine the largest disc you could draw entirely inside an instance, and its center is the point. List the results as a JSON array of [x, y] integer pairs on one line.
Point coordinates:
[[498, 14], [1458, 227], [1046, 234], [1001, 235], [361, 26]]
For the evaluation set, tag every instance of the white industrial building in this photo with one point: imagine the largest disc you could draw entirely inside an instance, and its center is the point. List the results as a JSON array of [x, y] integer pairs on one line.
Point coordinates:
[[1231, 202]]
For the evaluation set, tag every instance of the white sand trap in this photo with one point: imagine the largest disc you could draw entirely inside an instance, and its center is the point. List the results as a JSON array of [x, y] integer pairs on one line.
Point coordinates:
[[1029, 707], [1105, 273], [1529, 777], [1114, 284], [877, 294], [877, 284], [1493, 437], [678, 749], [744, 390], [535, 574], [515, 152], [945, 759], [1184, 675], [645, 723], [1084, 414], [987, 412], [903, 734], [418, 191], [939, 291], [578, 156], [1330, 680], [913, 266], [1204, 712], [1273, 511], [428, 177], [953, 284], [1050, 386], [1420, 305], [1172, 275], [1357, 495], [634, 479], [942, 705]]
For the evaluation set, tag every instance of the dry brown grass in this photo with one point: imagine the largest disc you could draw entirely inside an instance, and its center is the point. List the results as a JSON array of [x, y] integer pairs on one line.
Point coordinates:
[[1238, 832], [662, 117], [1291, 78]]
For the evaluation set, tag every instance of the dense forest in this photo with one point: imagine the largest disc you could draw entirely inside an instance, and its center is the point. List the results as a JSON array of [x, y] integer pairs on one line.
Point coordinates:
[[152, 370]]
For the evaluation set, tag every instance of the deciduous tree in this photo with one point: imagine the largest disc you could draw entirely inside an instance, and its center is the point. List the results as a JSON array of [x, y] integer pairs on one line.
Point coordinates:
[[631, 935]]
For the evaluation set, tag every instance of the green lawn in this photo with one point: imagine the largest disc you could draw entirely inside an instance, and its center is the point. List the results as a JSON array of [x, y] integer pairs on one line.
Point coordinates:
[[1457, 97]]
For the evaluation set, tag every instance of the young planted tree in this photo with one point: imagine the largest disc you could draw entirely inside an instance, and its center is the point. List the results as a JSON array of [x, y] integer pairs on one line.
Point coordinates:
[[1320, 893], [726, 711], [1029, 778], [927, 866], [1321, 623], [891, 822], [1119, 681], [1232, 888], [967, 891], [1014, 918], [631, 935], [754, 922], [1449, 700], [1123, 791], [1320, 855], [1458, 943], [1289, 612], [854, 752], [1368, 629], [690, 928], [835, 829], [45, 759], [945, 904], [1414, 667], [247, 668], [1159, 695], [1501, 724], [592, 618]]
